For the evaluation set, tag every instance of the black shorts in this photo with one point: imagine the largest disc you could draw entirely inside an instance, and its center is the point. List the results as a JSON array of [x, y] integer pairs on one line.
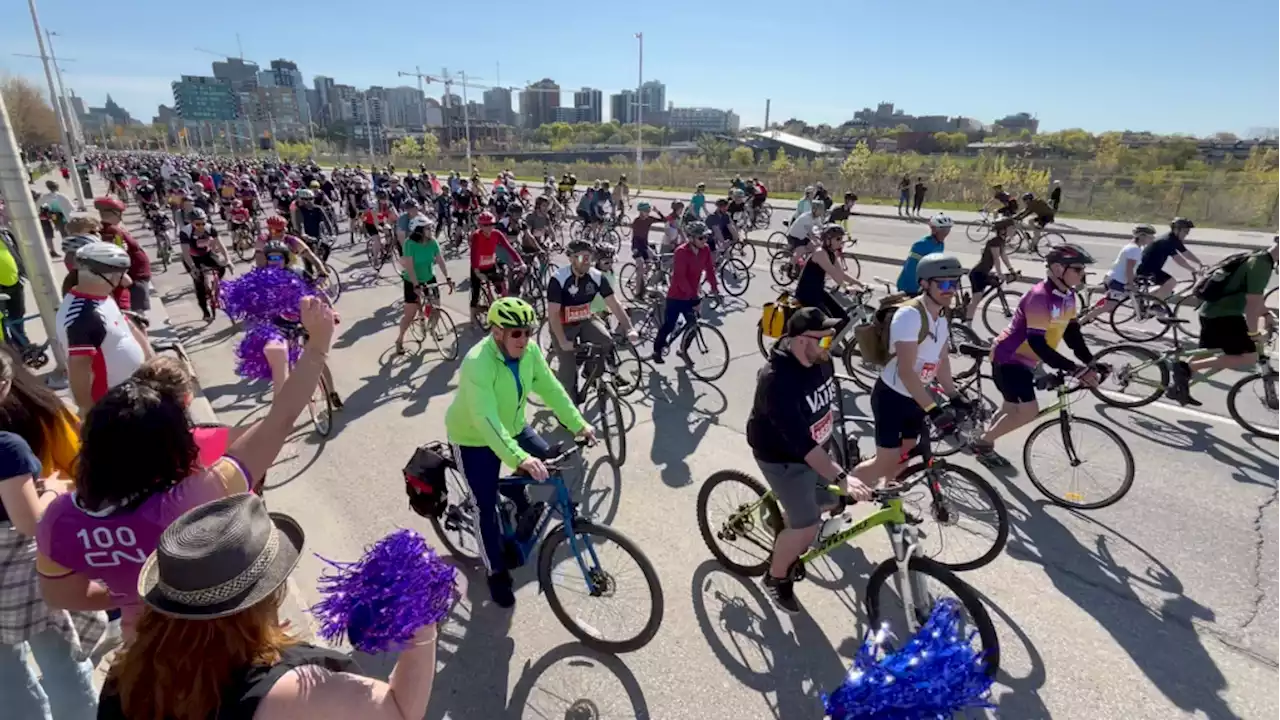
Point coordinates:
[[1041, 221], [411, 293], [898, 417], [584, 216], [1015, 381], [980, 280], [370, 230], [1230, 334], [1157, 276], [793, 242]]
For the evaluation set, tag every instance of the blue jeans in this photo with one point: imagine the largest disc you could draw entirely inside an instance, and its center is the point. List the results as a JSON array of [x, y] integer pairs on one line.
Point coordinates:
[[482, 468], [64, 690], [675, 308]]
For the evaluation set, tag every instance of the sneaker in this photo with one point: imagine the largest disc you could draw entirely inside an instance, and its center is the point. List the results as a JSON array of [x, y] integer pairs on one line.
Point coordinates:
[[987, 455], [1180, 387], [783, 593], [500, 590], [657, 358], [335, 401]]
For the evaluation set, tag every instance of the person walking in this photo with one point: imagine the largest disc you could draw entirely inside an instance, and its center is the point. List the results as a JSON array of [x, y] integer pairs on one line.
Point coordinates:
[[904, 193], [918, 201], [1055, 195]]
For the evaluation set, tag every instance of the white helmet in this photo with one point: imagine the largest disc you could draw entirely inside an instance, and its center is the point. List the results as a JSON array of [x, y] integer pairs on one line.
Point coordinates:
[[102, 257], [72, 245], [941, 220], [421, 221]]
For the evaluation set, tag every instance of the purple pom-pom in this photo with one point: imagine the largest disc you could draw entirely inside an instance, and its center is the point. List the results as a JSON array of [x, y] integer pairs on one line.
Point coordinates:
[[937, 674], [379, 602], [264, 293], [252, 362]]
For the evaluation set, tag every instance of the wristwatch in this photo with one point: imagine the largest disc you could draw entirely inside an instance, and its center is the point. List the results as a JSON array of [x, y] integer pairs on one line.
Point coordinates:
[[842, 478]]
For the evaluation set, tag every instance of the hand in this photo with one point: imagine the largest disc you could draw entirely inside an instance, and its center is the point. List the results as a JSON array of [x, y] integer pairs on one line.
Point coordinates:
[[633, 336], [319, 320], [534, 468], [857, 489], [588, 435], [1088, 377], [943, 418], [450, 284]]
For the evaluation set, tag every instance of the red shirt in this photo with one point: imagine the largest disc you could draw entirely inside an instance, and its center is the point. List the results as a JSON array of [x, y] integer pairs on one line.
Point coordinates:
[[139, 263], [688, 265], [484, 248]]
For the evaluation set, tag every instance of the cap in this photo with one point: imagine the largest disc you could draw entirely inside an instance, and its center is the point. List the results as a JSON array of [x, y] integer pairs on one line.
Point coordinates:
[[810, 319]]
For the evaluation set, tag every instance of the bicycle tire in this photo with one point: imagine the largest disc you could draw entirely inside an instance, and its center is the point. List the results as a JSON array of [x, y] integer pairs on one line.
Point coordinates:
[[626, 280], [440, 332], [627, 370], [1048, 241], [996, 501], [744, 251], [1056, 422], [765, 346], [700, 330], [997, 302], [968, 598], [1129, 304], [738, 271], [1234, 393], [321, 418], [373, 252], [863, 376], [608, 401], [779, 268], [769, 516], [1121, 371], [979, 231], [333, 286], [1188, 308], [586, 527], [463, 511], [958, 333], [242, 248], [211, 291], [776, 242]]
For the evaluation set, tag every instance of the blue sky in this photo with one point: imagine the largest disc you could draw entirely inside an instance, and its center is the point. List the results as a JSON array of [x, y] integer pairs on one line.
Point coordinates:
[[1164, 66]]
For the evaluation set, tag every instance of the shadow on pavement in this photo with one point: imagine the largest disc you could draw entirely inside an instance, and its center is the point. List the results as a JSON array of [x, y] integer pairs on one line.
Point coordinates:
[[384, 317], [676, 433], [577, 683], [788, 668], [1023, 699]]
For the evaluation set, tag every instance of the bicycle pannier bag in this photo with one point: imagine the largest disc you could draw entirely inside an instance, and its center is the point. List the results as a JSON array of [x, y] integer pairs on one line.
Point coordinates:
[[425, 478]]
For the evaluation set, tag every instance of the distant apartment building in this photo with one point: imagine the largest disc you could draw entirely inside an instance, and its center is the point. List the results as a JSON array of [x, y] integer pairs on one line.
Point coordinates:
[[567, 115], [242, 75], [405, 107], [622, 107], [588, 102], [1018, 122], [538, 103], [497, 106], [702, 120], [653, 96]]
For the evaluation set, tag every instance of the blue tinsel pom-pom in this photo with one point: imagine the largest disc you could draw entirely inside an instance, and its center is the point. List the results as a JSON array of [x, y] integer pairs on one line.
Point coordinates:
[[937, 674], [378, 602]]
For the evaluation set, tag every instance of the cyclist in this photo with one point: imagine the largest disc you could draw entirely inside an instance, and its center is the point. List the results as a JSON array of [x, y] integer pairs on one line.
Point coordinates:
[[603, 198], [690, 266], [698, 202], [1002, 202], [802, 229], [673, 228], [804, 204], [378, 218], [934, 242], [485, 242], [1045, 316], [569, 294], [278, 254], [278, 230], [737, 204], [721, 225], [421, 258], [1230, 323], [308, 219], [1157, 254], [201, 248], [410, 211], [604, 253], [1120, 281], [824, 262], [564, 190], [487, 427], [760, 194], [820, 193], [792, 415], [901, 398], [641, 252], [980, 277], [1036, 213], [841, 213]]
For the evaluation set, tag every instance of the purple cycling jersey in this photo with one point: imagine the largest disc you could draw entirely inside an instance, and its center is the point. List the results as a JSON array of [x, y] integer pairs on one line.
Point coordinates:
[[1044, 311]]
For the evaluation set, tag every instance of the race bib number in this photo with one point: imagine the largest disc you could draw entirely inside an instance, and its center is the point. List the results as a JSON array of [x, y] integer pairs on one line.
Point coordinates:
[[928, 371], [577, 313], [488, 260], [203, 243], [820, 431]]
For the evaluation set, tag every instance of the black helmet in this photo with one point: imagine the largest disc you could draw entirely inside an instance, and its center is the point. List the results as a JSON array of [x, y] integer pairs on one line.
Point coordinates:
[[1069, 254], [605, 251], [578, 246], [1028, 196], [832, 230], [381, 194], [515, 208], [1181, 222], [198, 215]]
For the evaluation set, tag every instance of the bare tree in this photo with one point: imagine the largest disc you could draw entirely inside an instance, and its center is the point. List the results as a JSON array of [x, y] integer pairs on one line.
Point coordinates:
[[32, 117]]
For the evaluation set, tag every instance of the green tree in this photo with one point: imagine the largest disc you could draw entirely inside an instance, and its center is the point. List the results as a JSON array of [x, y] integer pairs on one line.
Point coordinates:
[[713, 149], [407, 147], [742, 156], [782, 164], [294, 152], [430, 147], [854, 168]]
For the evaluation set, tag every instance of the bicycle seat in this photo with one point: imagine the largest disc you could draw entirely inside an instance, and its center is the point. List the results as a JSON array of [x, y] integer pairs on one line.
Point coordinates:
[[974, 350], [1172, 321]]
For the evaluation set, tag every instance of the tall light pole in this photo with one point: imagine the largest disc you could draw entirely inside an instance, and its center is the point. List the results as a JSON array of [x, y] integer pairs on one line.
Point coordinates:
[[466, 117], [640, 112], [57, 109], [73, 122]]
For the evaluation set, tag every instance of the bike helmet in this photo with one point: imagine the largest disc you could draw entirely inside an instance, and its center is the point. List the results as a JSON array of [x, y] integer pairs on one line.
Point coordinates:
[[485, 219], [275, 222], [1069, 254], [643, 207], [605, 251], [510, 312], [276, 247], [305, 194], [1028, 196], [696, 229], [738, 194], [381, 195], [941, 220], [938, 265], [109, 204], [578, 246], [515, 208], [1181, 222], [701, 186], [1143, 229], [73, 244], [422, 222], [831, 230], [102, 258], [411, 203], [198, 215]]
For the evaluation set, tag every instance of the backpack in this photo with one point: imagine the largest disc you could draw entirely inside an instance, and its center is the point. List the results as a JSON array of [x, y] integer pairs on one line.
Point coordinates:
[[774, 316], [1215, 285], [873, 338], [426, 479]]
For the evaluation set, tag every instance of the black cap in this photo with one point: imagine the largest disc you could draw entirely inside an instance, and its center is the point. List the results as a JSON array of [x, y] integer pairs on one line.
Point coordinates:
[[809, 319]]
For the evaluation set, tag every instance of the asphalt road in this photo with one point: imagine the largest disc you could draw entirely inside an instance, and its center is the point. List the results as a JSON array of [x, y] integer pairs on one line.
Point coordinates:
[[1162, 606]]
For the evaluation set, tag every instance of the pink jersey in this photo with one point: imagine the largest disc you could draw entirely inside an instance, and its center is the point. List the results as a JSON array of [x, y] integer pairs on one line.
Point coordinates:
[[111, 545]]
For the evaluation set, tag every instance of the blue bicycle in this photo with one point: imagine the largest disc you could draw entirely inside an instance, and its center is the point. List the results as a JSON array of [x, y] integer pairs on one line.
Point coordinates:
[[579, 560]]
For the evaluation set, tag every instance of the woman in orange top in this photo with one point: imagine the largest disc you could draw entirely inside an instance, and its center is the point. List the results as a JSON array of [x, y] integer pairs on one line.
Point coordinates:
[[33, 411]]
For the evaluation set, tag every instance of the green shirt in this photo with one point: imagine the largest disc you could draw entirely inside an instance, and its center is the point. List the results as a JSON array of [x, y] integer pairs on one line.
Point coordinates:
[[423, 255], [1251, 278], [8, 267], [488, 408]]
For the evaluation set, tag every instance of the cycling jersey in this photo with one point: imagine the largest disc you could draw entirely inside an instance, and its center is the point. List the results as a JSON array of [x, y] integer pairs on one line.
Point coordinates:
[[199, 244], [484, 248], [907, 278], [92, 326], [1044, 311], [464, 200], [381, 215], [574, 293]]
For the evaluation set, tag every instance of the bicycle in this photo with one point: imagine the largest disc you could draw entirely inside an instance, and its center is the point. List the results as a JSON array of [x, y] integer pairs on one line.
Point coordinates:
[[658, 271], [600, 376], [1137, 367], [699, 336], [434, 321], [1132, 317], [979, 231], [242, 244], [997, 303], [786, 272], [455, 526], [320, 406], [380, 247], [1041, 246], [734, 272], [212, 288], [34, 355], [758, 517]]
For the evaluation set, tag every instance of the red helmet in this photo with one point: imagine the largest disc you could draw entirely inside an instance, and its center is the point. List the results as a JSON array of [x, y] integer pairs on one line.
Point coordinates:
[[486, 218], [108, 203], [275, 222]]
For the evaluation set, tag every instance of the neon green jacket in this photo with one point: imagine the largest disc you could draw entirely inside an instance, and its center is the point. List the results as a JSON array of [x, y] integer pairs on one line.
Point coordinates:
[[488, 411]]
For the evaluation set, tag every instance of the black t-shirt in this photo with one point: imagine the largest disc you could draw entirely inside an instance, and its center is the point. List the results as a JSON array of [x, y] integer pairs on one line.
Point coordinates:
[[839, 214], [199, 243], [574, 294], [809, 288], [794, 409], [988, 261], [1155, 255], [16, 459], [463, 199]]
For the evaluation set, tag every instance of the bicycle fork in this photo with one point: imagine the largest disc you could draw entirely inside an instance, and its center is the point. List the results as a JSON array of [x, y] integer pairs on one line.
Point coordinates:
[[910, 586]]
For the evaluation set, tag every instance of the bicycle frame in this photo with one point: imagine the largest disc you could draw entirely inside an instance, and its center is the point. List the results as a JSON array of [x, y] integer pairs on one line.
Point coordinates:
[[562, 505]]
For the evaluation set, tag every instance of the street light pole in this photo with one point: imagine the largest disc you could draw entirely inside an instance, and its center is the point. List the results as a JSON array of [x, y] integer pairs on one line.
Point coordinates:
[[640, 112], [73, 123], [53, 97], [466, 117]]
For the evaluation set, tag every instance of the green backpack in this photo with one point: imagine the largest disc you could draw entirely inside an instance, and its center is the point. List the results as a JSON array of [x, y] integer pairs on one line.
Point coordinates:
[[873, 338]]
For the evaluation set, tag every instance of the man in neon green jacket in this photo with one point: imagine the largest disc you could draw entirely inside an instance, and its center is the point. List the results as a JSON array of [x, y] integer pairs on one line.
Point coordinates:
[[487, 427]]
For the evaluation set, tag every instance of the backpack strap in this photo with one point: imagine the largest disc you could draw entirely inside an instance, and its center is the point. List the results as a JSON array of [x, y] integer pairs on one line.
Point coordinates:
[[926, 327]]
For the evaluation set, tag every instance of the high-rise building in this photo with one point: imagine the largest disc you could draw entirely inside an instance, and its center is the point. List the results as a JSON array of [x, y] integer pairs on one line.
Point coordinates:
[[199, 98], [497, 106], [285, 74], [242, 75], [404, 106], [653, 96], [567, 115], [322, 110], [589, 104], [340, 97], [703, 120], [538, 103], [622, 107]]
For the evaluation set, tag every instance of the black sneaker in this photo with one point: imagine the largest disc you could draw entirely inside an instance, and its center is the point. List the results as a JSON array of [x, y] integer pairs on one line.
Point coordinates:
[[500, 590], [783, 593], [987, 455], [657, 358], [1180, 387], [335, 400]]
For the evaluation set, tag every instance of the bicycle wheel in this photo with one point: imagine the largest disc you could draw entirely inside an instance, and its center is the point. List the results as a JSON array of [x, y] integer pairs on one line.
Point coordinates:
[[443, 332], [211, 291], [776, 242], [1136, 317], [565, 579], [1188, 308], [971, 519], [863, 373], [333, 284], [762, 341], [612, 425], [735, 277], [780, 268], [627, 281], [764, 215], [744, 251], [1096, 457], [1137, 377], [962, 366], [320, 409], [456, 525], [702, 348], [997, 310], [1257, 394], [162, 252], [903, 624], [978, 232], [625, 369], [373, 251], [1049, 241], [243, 247], [739, 525], [968, 428]]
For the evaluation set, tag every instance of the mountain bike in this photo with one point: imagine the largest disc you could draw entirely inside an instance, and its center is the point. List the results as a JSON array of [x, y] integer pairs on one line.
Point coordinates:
[[581, 574], [755, 518]]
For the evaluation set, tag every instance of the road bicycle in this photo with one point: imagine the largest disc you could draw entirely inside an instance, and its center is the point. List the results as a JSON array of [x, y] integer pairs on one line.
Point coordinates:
[[532, 283], [998, 303], [699, 343], [581, 573], [1140, 376], [1139, 315], [320, 406], [785, 272], [1025, 237], [434, 321], [380, 248], [981, 230], [658, 271], [212, 288], [34, 355], [242, 244], [734, 272], [755, 518]]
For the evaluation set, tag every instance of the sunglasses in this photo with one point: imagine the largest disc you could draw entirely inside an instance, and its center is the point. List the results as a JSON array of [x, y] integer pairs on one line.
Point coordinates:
[[517, 333], [822, 340], [947, 285], [276, 258]]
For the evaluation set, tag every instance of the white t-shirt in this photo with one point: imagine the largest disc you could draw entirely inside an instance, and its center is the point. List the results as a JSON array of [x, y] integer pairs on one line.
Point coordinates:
[[801, 226], [905, 327], [93, 327], [1129, 252]]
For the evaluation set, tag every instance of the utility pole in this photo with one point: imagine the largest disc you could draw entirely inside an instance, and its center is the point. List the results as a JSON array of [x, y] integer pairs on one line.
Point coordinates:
[[35, 258], [70, 157], [640, 112], [466, 119], [73, 123], [767, 101]]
